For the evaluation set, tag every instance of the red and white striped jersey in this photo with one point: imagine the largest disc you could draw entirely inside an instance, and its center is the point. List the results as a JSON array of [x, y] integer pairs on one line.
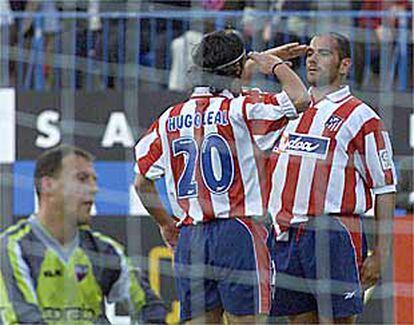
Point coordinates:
[[208, 150], [329, 161]]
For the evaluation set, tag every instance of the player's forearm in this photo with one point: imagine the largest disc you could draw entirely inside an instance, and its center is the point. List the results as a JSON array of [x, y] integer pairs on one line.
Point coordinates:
[[149, 196], [293, 86], [384, 214]]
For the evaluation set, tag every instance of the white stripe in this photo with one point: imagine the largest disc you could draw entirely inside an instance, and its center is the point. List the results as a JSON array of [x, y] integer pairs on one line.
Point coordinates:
[[256, 262], [355, 251], [24, 269], [194, 208], [247, 164], [143, 146], [8, 125], [169, 179], [308, 165], [388, 146], [336, 183], [278, 184], [261, 111], [267, 141], [360, 200], [220, 202], [373, 161]]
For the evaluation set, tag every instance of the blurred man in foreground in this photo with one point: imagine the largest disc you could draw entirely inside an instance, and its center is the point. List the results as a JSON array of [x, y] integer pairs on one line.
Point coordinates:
[[54, 268]]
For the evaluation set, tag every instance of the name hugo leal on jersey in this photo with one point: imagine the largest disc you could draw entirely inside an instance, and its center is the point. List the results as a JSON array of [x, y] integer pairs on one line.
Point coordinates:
[[311, 146]]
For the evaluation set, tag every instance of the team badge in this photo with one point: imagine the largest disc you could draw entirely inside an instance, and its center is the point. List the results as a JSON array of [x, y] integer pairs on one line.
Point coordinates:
[[333, 123], [81, 270]]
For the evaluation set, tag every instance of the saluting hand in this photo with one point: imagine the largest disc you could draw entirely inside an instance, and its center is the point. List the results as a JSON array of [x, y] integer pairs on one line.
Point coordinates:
[[265, 61], [288, 51]]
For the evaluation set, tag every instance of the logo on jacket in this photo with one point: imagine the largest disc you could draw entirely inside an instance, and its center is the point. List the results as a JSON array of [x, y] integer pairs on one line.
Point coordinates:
[[333, 123], [81, 270], [311, 146]]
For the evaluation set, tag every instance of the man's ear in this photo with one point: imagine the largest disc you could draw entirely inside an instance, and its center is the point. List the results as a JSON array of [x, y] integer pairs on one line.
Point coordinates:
[[47, 184], [345, 66]]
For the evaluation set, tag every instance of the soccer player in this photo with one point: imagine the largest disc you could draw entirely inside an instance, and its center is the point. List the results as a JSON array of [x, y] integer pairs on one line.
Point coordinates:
[[54, 268], [325, 167], [206, 149]]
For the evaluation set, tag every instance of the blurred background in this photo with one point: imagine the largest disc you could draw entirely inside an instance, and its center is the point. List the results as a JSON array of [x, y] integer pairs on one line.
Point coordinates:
[[96, 73]]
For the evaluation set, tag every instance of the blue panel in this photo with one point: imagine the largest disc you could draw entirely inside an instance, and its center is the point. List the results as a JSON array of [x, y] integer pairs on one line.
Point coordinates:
[[114, 181], [162, 192], [23, 188]]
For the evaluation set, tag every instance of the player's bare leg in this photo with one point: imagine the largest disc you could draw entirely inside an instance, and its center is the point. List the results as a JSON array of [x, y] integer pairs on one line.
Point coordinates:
[[248, 319], [214, 316], [305, 318]]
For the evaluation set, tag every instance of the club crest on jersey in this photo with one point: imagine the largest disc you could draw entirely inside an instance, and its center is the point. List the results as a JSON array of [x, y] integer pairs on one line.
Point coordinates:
[[333, 123], [303, 145], [81, 270]]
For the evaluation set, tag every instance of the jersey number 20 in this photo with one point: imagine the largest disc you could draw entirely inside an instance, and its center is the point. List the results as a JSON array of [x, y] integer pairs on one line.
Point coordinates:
[[213, 146]]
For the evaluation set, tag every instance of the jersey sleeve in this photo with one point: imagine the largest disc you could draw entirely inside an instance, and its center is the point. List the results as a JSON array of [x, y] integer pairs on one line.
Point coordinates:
[[375, 158], [131, 287], [149, 160], [267, 118], [18, 298]]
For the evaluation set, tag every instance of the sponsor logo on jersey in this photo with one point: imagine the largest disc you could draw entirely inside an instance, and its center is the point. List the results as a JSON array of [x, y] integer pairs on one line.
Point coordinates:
[[68, 314], [81, 270], [333, 123], [303, 145]]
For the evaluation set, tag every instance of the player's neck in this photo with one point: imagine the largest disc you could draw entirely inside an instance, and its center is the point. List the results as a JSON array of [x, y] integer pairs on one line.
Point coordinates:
[[319, 92], [54, 222]]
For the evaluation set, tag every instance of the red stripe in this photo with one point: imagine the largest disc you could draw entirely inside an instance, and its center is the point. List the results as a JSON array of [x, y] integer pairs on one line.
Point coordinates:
[[374, 126], [236, 190], [323, 168], [263, 165], [284, 216], [262, 127], [204, 196], [177, 163], [349, 195], [259, 234], [154, 152], [354, 226]]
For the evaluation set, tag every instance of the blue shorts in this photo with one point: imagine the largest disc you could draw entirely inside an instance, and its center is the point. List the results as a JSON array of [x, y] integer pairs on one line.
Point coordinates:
[[332, 255], [223, 263]]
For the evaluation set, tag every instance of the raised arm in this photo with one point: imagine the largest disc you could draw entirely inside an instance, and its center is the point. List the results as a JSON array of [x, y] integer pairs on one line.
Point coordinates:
[[291, 83]]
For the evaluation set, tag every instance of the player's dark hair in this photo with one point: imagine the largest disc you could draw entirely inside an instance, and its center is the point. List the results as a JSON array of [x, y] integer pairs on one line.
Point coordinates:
[[49, 163], [344, 46], [219, 59]]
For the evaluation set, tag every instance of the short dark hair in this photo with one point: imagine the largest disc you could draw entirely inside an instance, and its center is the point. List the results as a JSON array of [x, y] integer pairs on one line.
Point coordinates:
[[49, 163], [220, 57], [344, 46]]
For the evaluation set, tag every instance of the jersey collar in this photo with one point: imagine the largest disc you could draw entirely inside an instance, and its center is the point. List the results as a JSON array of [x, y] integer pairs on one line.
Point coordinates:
[[336, 96], [64, 252], [206, 92]]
